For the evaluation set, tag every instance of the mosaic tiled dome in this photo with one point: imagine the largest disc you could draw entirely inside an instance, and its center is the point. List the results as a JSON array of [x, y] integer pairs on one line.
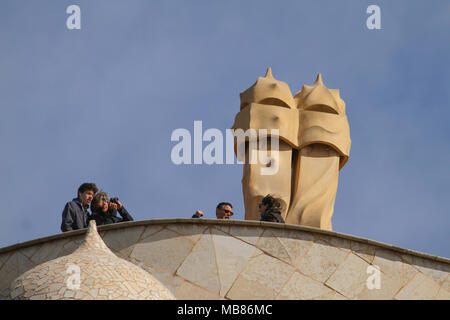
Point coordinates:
[[91, 272]]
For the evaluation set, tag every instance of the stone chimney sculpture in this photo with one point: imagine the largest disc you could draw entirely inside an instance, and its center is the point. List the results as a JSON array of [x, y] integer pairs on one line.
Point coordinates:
[[313, 145]]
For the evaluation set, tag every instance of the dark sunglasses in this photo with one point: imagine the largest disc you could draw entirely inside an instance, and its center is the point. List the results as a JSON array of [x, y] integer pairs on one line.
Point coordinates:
[[228, 211]]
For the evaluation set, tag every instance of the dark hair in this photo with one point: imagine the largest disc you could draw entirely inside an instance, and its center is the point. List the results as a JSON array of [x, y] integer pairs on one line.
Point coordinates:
[[220, 205], [87, 186], [271, 201]]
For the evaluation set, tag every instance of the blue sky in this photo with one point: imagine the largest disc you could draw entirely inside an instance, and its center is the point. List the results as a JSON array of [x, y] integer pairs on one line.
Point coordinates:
[[99, 104]]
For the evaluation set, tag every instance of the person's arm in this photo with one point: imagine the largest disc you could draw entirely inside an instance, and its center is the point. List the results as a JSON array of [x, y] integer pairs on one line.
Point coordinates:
[[67, 218], [125, 215]]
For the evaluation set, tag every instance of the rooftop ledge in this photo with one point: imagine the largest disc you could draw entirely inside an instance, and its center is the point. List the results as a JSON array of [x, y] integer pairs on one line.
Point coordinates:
[[240, 259], [244, 223]]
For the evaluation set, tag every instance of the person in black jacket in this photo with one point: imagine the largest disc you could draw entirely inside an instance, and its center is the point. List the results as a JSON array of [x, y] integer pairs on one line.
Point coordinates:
[[75, 214], [104, 210], [269, 208]]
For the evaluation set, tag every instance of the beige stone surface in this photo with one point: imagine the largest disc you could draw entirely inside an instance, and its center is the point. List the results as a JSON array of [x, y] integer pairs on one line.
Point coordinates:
[[189, 291], [350, 277], [295, 243], [3, 258], [232, 256], [443, 294], [263, 278], [193, 232], [316, 185], [48, 251], [248, 234], [151, 230], [297, 263], [388, 289], [300, 287], [391, 263], [420, 287], [341, 243], [363, 250], [165, 250], [446, 283], [71, 245], [314, 144], [200, 266], [321, 261], [272, 245], [122, 241], [438, 271], [100, 274], [13, 267], [170, 281]]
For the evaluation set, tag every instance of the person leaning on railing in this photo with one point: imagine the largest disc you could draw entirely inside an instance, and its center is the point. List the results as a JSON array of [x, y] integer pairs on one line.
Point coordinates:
[[104, 210]]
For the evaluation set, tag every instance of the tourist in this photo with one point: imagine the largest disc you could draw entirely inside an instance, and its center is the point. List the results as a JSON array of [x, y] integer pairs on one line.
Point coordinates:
[[198, 214], [269, 208], [104, 210], [224, 210], [75, 214]]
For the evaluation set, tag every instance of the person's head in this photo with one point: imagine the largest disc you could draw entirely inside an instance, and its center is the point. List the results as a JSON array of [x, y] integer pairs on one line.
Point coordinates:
[[100, 203], [224, 210], [86, 192], [269, 202]]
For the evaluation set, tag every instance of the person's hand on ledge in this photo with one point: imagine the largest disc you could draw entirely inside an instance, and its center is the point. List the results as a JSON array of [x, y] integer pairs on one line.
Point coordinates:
[[198, 214]]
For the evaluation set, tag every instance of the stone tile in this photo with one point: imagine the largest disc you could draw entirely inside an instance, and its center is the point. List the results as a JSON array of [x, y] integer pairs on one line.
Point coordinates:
[[71, 245], [300, 287], [363, 250], [388, 289], [350, 277], [17, 291], [171, 281], [3, 258], [48, 251], [420, 287], [296, 243], [30, 251], [391, 264], [122, 241], [188, 291], [437, 270], [446, 283], [192, 231], [335, 241], [333, 295], [232, 255], [247, 234], [200, 266], [270, 244], [150, 230], [443, 294], [263, 278], [223, 227], [321, 261], [165, 250], [14, 267]]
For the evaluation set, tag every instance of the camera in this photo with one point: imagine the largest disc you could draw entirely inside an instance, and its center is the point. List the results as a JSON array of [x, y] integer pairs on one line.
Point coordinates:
[[114, 200]]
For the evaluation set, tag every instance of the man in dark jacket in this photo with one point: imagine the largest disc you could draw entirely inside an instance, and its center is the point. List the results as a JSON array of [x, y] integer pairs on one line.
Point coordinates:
[[104, 210], [75, 214]]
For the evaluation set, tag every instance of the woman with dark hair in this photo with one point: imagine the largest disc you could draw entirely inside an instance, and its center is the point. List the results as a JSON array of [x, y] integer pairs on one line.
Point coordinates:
[[269, 208], [104, 210]]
